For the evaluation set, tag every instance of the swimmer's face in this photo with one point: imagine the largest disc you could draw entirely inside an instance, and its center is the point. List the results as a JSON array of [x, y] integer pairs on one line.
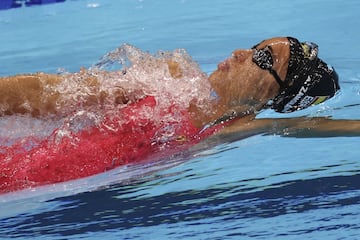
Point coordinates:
[[239, 80]]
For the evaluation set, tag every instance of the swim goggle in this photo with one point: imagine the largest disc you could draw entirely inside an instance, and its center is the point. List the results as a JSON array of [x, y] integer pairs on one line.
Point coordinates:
[[263, 59], [309, 80]]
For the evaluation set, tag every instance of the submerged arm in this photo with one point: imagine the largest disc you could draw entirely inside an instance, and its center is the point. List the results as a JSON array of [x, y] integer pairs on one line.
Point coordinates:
[[319, 127], [293, 127]]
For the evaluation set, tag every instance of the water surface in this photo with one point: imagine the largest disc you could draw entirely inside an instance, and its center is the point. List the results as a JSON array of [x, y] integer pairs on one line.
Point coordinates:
[[261, 187]]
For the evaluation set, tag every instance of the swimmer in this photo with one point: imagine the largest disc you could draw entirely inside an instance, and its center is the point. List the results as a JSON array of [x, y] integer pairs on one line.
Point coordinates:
[[279, 73]]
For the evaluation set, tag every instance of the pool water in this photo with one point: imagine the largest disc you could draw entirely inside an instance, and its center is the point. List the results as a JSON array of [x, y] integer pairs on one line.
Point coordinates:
[[260, 187]]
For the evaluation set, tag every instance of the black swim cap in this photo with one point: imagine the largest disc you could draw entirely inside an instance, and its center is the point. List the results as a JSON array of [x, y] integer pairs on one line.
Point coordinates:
[[309, 80]]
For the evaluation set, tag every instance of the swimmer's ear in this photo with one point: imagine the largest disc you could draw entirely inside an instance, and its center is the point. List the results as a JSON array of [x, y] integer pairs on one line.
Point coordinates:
[[174, 69]]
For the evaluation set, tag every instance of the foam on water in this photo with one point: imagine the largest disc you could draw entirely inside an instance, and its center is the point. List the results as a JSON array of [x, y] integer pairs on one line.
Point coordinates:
[[82, 139], [142, 70]]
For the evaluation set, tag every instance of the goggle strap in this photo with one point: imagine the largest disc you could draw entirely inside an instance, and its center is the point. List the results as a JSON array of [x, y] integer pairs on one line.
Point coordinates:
[[277, 78]]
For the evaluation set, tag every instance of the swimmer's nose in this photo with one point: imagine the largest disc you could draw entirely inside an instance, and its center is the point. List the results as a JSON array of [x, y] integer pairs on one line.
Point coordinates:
[[242, 54], [238, 55]]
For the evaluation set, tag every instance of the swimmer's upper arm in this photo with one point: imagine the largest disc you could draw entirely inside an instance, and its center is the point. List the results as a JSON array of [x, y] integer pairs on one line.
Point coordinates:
[[41, 94], [174, 69], [25, 94]]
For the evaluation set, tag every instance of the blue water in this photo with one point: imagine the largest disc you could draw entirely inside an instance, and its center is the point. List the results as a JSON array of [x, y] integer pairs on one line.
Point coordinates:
[[260, 187]]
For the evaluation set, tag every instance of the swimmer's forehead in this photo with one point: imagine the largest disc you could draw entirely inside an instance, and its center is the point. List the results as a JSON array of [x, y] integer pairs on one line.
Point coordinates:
[[273, 42]]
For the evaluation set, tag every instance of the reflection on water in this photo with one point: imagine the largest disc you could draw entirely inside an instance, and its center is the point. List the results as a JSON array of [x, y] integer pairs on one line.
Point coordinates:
[[264, 187], [112, 209]]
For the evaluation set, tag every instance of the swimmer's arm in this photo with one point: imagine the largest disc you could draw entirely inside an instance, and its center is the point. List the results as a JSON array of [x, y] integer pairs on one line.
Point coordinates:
[[43, 94], [38, 94], [319, 127], [22, 94], [295, 127]]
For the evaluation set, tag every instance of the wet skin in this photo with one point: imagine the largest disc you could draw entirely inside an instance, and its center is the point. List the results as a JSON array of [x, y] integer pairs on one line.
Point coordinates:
[[240, 86], [238, 81]]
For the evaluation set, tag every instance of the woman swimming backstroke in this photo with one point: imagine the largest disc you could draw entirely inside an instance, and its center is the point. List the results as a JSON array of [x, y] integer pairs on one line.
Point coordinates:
[[279, 73]]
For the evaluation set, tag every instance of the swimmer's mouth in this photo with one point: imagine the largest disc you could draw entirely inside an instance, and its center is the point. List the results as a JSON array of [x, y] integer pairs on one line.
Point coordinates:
[[224, 65]]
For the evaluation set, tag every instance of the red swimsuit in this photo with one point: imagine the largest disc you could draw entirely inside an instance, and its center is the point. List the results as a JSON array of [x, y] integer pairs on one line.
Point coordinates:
[[87, 152]]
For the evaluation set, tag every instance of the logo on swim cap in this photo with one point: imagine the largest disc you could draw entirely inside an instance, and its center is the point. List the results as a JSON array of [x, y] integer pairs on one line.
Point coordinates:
[[310, 49], [309, 80]]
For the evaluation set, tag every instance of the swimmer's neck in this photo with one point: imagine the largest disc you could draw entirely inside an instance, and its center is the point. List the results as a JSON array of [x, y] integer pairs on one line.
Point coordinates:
[[218, 113]]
